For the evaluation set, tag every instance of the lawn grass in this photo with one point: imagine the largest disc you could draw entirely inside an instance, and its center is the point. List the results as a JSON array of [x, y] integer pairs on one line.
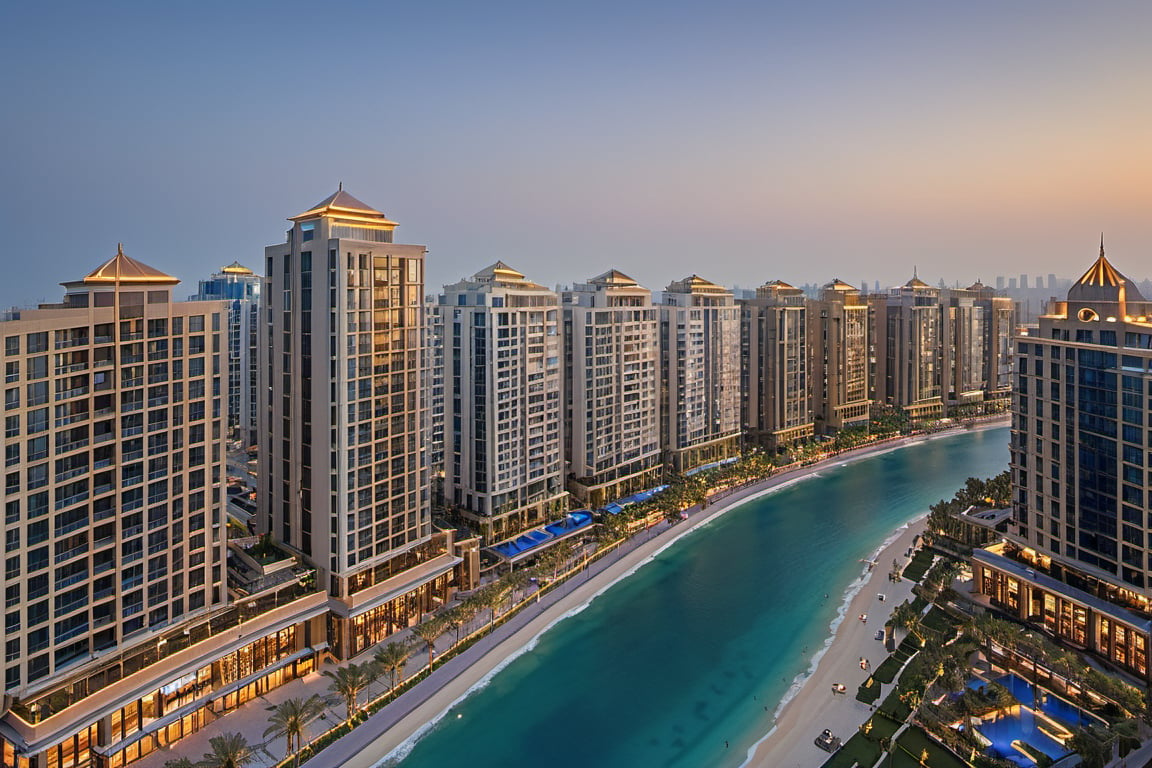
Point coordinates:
[[894, 707], [939, 621], [856, 751], [886, 672], [869, 691], [918, 565], [911, 745]]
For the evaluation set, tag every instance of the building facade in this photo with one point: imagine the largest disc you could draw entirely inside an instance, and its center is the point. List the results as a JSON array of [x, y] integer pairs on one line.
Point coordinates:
[[240, 287], [909, 356], [123, 631], [838, 349], [1076, 562], [962, 344], [777, 403], [699, 373], [503, 415], [612, 383], [344, 424], [999, 328]]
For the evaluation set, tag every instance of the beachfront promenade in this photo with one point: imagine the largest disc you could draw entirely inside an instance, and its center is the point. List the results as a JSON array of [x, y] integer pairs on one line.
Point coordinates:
[[395, 723]]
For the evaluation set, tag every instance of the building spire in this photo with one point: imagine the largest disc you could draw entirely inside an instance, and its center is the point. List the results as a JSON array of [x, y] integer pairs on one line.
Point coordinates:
[[1101, 245], [340, 188], [119, 249]]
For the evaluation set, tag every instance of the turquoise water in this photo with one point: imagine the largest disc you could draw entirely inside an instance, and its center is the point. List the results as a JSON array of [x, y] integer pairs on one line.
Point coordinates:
[[699, 646]]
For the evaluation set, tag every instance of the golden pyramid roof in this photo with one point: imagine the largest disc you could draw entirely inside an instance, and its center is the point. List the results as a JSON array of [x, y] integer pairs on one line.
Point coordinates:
[[614, 278], [342, 205], [122, 269], [1104, 283], [236, 268]]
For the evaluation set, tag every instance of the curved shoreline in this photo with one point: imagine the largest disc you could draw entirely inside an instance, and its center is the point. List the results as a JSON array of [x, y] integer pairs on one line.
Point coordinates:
[[801, 717], [394, 736]]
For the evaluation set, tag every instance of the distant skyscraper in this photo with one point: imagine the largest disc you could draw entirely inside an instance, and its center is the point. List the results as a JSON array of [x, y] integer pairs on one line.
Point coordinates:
[[1052, 286], [1011, 283], [1000, 283], [1024, 282], [612, 385], [1078, 561], [240, 287], [503, 456], [838, 345], [343, 460], [700, 373], [777, 402]]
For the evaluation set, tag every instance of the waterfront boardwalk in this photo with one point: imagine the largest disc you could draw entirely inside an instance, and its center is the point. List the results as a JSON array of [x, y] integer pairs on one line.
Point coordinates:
[[366, 745]]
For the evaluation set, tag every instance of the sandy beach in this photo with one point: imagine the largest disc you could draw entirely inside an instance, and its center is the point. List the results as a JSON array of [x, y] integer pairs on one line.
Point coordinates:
[[815, 707], [812, 709]]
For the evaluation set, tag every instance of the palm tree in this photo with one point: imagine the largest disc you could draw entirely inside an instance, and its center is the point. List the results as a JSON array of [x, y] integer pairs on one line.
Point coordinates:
[[290, 718], [349, 682], [229, 750], [179, 762], [905, 617], [457, 616], [429, 631], [391, 660]]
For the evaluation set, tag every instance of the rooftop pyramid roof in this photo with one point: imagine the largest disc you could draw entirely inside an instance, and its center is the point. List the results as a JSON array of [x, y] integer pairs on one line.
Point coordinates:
[[616, 278], [1103, 282], [343, 205], [122, 269]]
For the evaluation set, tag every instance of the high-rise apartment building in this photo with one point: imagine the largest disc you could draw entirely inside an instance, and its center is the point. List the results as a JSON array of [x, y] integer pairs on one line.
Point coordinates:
[[240, 287], [999, 327], [908, 353], [1078, 561], [777, 403], [119, 632], [344, 426], [963, 332], [503, 449], [838, 353], [699, 372], [612, 383]]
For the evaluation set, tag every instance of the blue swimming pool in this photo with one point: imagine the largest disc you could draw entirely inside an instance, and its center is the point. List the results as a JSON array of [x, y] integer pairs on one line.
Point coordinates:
[[1024, 726]]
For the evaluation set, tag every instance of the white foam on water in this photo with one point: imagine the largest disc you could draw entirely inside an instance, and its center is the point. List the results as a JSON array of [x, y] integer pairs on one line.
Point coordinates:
[[850, 593]]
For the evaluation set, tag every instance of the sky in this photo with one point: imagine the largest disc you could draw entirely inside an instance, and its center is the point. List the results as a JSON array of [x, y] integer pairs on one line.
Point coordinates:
[[742, 141]]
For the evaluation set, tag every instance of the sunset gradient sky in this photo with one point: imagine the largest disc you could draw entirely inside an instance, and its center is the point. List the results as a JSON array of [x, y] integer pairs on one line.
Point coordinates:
[[745, 141]]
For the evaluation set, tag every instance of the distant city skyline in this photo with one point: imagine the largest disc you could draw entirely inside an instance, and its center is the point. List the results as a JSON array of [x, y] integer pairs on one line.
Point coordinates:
[[749, 143]]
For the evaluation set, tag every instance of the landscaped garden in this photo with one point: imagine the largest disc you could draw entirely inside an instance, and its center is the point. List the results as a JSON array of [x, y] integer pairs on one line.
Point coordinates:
[[954, 718]]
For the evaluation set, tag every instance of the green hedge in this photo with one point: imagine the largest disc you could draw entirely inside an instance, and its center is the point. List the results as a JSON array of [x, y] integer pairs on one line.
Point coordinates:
[[918, 565]]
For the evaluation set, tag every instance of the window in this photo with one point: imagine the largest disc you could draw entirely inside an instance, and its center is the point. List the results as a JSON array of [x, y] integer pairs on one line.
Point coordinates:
[[307, 231]]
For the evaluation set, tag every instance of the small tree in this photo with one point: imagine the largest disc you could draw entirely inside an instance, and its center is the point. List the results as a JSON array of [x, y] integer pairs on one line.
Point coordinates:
[[391, 660], [290, 718], [349, 682], [428, 632], [229, 750]]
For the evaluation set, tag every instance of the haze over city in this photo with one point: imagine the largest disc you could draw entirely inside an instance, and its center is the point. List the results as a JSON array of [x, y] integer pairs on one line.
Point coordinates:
[[749, 141]]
